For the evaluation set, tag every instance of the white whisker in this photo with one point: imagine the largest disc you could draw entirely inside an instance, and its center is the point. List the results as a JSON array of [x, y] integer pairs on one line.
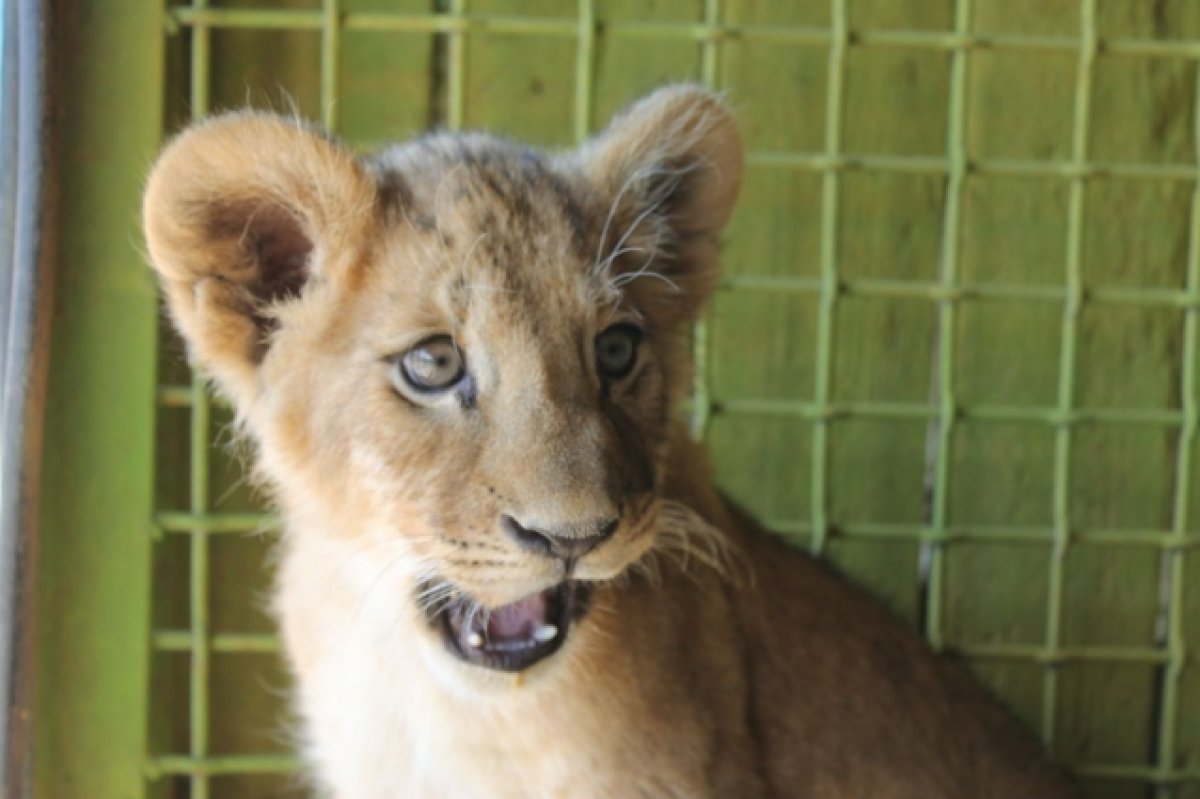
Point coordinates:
[[685, 536]]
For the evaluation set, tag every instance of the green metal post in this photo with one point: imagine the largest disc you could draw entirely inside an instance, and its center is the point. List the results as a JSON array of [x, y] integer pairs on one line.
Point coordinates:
[[94, 586]]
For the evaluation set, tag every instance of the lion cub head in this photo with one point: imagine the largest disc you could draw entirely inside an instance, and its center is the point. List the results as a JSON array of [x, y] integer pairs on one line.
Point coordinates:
[[458, 349]]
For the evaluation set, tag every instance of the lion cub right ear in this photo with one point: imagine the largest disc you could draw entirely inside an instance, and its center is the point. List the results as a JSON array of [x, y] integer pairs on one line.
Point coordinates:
[[245, 212]]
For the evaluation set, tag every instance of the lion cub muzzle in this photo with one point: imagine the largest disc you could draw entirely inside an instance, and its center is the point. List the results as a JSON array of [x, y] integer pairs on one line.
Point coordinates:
[[513, 637]]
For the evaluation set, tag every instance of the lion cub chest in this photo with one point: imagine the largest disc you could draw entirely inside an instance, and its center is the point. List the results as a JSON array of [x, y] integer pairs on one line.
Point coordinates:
[[390, 717]]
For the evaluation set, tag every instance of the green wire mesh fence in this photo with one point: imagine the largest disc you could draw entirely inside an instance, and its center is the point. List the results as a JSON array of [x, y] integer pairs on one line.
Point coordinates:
[[1145, 680]]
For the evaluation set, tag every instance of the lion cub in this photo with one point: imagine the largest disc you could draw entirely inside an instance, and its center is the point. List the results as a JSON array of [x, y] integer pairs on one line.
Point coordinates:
[[506, 572]]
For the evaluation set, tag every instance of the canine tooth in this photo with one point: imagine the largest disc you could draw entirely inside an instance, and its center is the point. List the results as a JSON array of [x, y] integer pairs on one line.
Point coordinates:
[[545, 632], [475, 640]]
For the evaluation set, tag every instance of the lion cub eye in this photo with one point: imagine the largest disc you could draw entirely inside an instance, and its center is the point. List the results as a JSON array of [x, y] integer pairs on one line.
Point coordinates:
[[435, 364], [616, 350]]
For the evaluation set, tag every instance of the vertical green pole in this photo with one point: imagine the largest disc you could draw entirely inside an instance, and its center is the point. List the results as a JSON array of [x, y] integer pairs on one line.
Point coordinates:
[[94, 573], [701, 392], [956, 153], [200, 657], [1066, 368], [585, 66], [457, 67], [331, 43], [201, 49], [1176, 551], [198, 487], [839, 35]]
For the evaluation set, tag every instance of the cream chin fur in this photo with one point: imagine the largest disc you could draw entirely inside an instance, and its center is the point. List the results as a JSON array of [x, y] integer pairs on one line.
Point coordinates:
[[390, 713]]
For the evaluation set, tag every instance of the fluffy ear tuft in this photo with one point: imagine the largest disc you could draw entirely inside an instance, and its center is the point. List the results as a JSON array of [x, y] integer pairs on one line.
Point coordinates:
[[243, 212], [669, 167]]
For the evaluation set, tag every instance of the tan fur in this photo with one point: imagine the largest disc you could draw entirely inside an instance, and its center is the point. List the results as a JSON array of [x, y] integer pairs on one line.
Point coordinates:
[[714, 661]]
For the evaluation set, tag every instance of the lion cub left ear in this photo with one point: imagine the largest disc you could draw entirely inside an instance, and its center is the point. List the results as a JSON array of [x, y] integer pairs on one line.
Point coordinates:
[[668, 170], [245, 212]]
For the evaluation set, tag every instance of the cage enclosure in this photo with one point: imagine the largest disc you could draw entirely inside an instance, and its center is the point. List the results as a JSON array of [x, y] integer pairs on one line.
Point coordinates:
[[955, 348]]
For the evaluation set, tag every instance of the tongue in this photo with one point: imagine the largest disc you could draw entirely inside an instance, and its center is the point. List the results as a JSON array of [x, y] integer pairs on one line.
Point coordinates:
[[518, 620]]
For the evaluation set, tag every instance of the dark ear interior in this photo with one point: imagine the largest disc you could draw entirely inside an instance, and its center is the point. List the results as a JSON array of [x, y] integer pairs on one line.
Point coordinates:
[[273, 239], [669, 168], [242, 213]]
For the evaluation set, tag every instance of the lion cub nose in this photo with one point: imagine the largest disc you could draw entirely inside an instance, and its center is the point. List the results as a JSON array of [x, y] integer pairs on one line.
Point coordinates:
[[566, 543]]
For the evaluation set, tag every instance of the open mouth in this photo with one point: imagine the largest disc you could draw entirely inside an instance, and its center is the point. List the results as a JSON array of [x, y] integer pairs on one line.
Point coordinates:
[[516, 636]]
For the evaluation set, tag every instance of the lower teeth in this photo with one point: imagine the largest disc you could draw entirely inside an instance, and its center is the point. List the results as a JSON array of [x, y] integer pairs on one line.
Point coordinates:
[[543, 634], [511, 646]]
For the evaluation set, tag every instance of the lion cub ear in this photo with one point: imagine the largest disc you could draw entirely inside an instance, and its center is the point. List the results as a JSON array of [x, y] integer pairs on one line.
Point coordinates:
[[244, 212], [669, 169]]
